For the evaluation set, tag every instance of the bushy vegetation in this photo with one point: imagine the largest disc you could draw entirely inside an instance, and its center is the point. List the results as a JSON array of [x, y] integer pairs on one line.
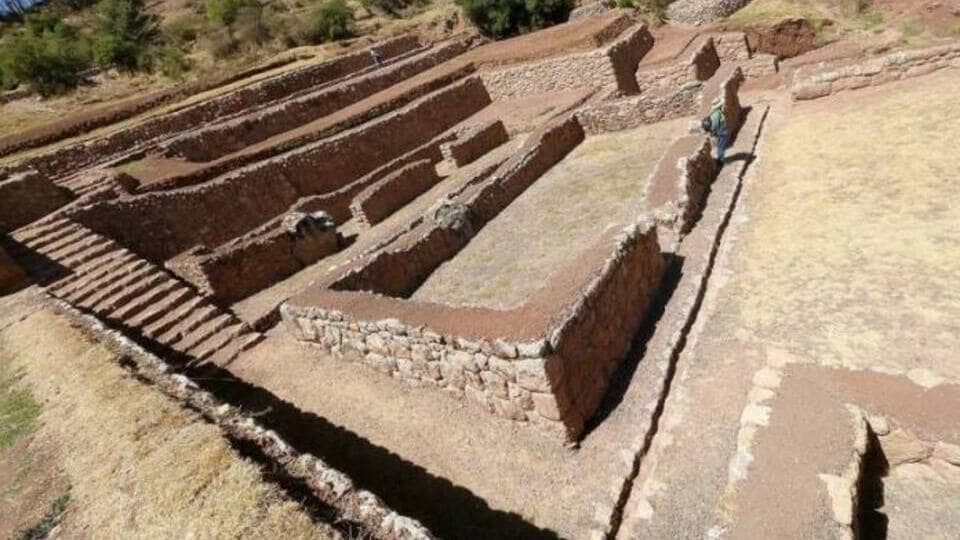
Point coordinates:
[[124, 35], [330, 21], [52, 55], [47, 53], [504, 18]]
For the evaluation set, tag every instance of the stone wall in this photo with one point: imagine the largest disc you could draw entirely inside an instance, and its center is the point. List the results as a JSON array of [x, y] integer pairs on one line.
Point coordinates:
[[732, 46], [666, 77], [161, 225], [398, 269], [634, 111], [702, 11], [72, 157], [761, 65], [474, 141], [548, 362], [589, 10], [240, 268], [815, 81], [225, 137], [344, 122], [725, 86], [602, 68], [382, 198], [27, 197]]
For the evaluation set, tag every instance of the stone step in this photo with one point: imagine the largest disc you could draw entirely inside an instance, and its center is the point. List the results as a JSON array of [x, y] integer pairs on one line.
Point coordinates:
[[176, 315], [96, 270], [111, 286], [109, 283], [68, 251], [204, 331], [77, 260], [232, 350], [183, 329], [46, 248], [152, 278], [37, 229], [53, 236], [161, 307], [206, 348], [143, 301]]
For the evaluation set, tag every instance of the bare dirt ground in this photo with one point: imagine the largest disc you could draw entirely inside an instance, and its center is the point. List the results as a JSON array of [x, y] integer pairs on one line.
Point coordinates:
[[841, 254], [121, 459], [598, 185]]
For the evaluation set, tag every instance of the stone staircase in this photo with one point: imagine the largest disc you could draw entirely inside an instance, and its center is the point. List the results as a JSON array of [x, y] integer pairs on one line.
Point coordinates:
[[97, 275]]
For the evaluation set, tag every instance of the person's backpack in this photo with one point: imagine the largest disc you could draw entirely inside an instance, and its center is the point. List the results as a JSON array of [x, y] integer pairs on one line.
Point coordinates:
[[707, 124]]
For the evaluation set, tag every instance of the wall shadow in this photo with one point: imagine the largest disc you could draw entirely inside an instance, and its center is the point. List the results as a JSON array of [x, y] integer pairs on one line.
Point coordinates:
[[448, 510]]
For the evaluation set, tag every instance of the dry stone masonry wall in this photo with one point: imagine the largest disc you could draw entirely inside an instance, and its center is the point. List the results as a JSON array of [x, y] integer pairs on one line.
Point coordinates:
[[99, 150], [237, 269], [233, 135], [664, 79], [398, 270], [603, 68], [26, 197], [702, 11], [474, 141], [553, 378], [379, 200], [163, 224], [822, 80]]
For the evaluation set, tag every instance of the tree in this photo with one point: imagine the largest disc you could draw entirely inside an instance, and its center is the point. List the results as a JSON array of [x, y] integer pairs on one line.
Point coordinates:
[[47, 53], [330, 21], [123, 35], [504, 18]]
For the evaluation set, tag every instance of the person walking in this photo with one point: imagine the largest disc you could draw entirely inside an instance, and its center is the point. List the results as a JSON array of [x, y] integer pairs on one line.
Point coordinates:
[[375, 56], [715, 124]]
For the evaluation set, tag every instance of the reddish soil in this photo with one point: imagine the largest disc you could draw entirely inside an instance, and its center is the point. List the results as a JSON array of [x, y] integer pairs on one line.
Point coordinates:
[[768, 500], [785, 39], [669, 42], [941, 15]]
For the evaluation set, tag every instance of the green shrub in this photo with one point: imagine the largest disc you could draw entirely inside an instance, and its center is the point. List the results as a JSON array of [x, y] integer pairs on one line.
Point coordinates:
[[171, 62], [225, 12], [387, 6], [124, 32], [504, 18], [47, 53], [182, 31], [250, 25], [330, 21], [219, 42]]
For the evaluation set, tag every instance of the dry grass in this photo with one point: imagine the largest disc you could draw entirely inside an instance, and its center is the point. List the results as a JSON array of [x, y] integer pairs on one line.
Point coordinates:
[[600, 184], [851, 253], [139, 465]]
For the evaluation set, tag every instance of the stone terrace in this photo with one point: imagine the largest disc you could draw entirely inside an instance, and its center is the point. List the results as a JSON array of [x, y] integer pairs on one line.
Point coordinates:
[[504, 249]]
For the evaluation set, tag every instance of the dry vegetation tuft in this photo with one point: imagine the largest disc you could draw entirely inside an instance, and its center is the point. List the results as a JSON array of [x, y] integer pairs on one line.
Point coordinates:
[[138, 464]]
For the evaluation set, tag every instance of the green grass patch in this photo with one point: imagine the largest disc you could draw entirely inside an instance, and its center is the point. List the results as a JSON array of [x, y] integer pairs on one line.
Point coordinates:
[[872, 19], [49, 521], [18, 410]]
